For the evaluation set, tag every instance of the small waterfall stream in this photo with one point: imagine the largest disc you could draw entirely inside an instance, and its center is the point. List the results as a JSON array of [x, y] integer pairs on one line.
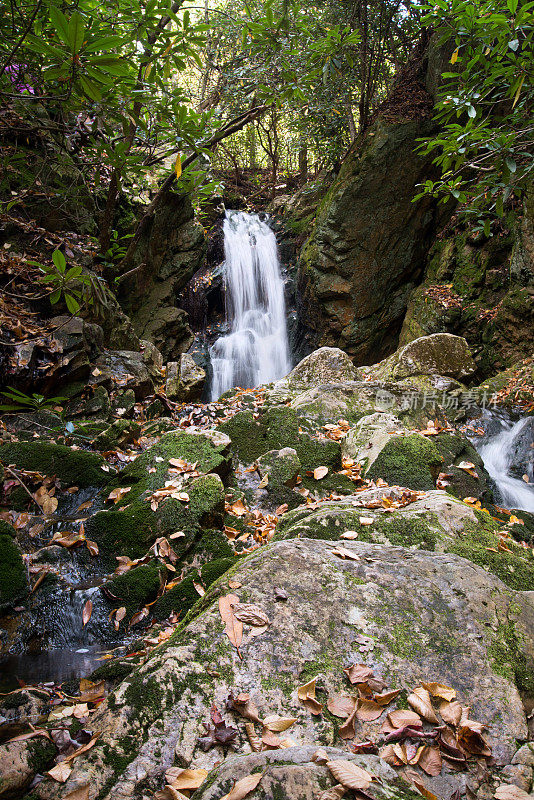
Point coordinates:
[[256, 349], [507, 448]]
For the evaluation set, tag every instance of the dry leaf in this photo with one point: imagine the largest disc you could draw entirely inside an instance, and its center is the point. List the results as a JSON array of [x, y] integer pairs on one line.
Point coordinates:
[[253, 738], [440, 690], [243, 787], [350, 535], [306, 695], [386, 697], [87, 611], [334, 793], [185, 778], [430, 761], [341, 705], [358, 673], [349, 774], [234, 585], [420, 701], [342, 552], [401, 717], [199, 588], [251, 614], [60, 772], [233, 627], [320, 472], [368, 710], [366, 520], [80, 793], [320, 756], [278, 724], [346, 731], [451, 712]]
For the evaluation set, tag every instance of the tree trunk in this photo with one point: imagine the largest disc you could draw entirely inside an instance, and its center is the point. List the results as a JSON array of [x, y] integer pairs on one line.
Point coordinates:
[[303, 162]]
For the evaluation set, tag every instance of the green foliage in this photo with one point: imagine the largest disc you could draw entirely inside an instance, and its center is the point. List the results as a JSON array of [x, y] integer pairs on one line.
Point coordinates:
[[19, 401], [69, 284], [485, 146]]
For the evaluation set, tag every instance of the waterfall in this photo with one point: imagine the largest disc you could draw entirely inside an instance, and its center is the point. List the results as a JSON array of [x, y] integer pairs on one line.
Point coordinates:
[[255, 351], [501, 451]]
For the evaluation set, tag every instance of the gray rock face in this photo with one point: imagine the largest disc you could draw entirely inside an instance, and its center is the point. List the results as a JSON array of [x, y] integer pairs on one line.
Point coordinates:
[[322, 366], [412, 616], [185, 379]]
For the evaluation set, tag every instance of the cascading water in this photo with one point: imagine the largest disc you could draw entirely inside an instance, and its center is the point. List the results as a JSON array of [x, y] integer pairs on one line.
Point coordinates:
[[256, 349], [509, 449]]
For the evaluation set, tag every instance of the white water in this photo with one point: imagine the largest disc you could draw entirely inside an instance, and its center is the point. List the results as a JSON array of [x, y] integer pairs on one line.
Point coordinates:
[[256, 350], [498, 456]]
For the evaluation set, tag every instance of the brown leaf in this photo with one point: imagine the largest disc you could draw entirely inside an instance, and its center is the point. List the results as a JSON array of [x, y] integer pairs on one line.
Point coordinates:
[[334, 793], [368, 710], [252, 736], [87, 611], [401, 717], [349, 774], [92, 547], [346, 731], [320, 472], [342, 552], [389, 755], [358, 673], [243, 787], [251, 614], [420, 701], [306, 695], [60, 772], [180, 778], [430, 761], [232, 626], [278, 724], [341, 705], [451, 713], [414, 778], [366, 521], [320, 756], [440, 690], [234, 585]]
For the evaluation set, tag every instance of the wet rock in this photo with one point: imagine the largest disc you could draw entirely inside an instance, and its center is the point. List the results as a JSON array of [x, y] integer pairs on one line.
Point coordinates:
[[326, 365], [280, 466], [25, 424], [118, 434], [129, 369], [426, 617], [71, 467], [366, 440], [440, 354], [94, 403], [20, 761], [185, 379]]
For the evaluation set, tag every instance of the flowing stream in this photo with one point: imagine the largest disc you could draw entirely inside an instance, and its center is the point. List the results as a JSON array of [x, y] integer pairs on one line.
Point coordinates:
[[256, 349], [507, 452]]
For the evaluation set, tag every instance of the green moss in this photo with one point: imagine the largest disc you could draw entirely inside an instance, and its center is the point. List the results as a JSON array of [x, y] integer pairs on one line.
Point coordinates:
[[113, 671], [515, 568], [411, 461], [402, 641], [137, 587], [508, 659], [71, 467], [408, 532], [13, 577], [41, 754], [6, 529], [146, 697]]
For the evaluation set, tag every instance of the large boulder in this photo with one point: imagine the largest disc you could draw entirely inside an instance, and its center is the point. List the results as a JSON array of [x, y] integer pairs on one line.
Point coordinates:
[[440, 354], [185, 379], [326, 365], [411, 616], [72, 467]]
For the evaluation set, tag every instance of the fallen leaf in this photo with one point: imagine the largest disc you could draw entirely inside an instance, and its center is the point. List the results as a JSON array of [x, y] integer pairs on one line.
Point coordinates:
[[430, 760], [320, 472], [366, 520], [278, 724], [252, 736], [234, 585], [350, 535], [420, 701], [80, 793], [199, 588], [386, 697], [368, 710], [250, 613], [347, 731], [185, 778], [349, 774], [358, 673], [401, 717], [60, 772], [341, 705], [232, 627], [243, 787], [306, 695], [87, 611], [451, 713], [342, 552], [440, 690], [320, 756], [334, 793]]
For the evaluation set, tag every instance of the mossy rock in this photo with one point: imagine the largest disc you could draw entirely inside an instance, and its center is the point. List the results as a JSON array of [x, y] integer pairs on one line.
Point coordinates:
[[132, 529], [411, 461], [137, 587], [71, 467], [119, 433], [454, 450], [13, 576], [184, 596]]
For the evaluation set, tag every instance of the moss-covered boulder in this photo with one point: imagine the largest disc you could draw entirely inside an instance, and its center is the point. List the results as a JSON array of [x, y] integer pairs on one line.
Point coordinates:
[[436, 522], [13, 572], [326, 365], [71, 467], [412, 461], [137, 587], [121, 432], [130, 530], [185, 594], [440, 354], [411, 615]]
